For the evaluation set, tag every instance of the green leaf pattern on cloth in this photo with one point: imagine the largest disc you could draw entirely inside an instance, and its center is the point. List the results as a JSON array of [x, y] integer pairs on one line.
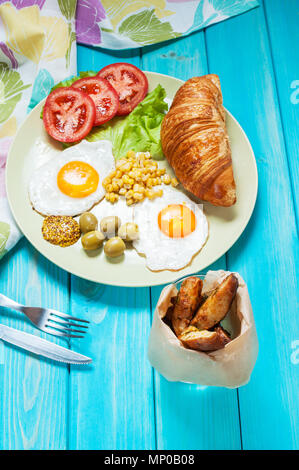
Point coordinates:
[[145, 28], [68, 52], [11, 87], [68, 8], [130, 24], [4, 234]]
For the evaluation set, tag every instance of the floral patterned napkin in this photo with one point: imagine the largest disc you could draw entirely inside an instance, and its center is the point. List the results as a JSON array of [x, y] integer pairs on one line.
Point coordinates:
[[38, 49], [127, 24]]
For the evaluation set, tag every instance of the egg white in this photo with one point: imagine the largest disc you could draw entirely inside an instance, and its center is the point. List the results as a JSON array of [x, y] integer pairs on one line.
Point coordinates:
[[119, 209], [161, 251], [44, 194]]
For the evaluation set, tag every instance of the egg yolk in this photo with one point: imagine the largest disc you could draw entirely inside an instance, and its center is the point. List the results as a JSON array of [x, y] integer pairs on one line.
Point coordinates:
[[77, 179], [176, 221]]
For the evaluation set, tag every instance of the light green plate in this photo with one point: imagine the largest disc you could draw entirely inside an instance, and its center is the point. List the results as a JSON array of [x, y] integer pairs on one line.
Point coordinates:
[[225, 224]]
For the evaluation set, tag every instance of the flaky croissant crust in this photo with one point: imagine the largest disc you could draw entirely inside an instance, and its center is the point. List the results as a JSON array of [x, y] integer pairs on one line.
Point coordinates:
[[195, 141]]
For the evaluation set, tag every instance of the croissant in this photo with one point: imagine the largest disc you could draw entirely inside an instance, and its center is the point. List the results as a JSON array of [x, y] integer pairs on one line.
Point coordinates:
[[195, 141]]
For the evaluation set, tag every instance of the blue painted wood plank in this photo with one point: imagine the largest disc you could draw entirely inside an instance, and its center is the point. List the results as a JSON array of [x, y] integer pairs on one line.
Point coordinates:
[[34, 391], [267, 253], [112, 403], [91, 58], [188, 415], [282, 21]]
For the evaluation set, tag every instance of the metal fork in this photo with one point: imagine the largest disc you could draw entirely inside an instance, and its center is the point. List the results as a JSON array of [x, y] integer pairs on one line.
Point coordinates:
[[49, 320]]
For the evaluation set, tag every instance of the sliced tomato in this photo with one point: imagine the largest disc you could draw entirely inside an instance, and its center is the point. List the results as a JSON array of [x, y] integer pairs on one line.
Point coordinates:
[[130, 83], [68, 114], [102, 94]]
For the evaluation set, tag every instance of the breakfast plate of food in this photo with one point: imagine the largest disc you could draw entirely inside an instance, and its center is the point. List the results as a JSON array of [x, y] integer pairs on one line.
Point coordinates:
[[132, 178]]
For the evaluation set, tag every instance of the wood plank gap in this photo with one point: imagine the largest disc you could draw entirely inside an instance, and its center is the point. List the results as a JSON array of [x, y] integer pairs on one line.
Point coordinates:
[[68, 400], [153, 376], [240, 422]]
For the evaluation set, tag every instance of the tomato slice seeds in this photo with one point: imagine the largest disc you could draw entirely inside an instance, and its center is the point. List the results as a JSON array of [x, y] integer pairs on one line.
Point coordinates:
[[103, 95], [68, 114], [130, 83]]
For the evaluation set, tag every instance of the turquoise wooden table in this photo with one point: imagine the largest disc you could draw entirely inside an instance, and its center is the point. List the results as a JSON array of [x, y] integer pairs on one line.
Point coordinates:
[[120, 402]]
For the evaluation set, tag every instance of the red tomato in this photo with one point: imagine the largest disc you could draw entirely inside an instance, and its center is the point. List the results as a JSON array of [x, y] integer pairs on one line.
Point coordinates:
[[68, 114], [103, 95], [130, 83]]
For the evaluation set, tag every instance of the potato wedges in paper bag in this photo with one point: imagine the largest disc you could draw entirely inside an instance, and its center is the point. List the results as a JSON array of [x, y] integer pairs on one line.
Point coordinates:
[[228, 367]]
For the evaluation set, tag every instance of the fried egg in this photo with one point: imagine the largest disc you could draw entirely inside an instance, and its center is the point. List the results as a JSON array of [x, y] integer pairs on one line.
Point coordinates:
[[172, 229], [71, 182]]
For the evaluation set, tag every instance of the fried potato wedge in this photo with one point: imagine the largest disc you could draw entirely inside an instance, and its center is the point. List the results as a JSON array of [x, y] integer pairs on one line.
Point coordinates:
[[204, 340], [217, 305], [188, 300]]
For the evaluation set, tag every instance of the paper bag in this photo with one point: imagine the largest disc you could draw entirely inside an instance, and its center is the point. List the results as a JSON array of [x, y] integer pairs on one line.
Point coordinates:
[[228, 367]]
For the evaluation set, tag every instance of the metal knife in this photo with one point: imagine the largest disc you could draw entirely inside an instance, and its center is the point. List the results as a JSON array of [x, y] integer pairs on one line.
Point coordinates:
[[41, 346]]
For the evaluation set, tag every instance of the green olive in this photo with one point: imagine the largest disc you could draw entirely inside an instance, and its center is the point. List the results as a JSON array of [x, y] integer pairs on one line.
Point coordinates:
[[88, 222], [114, 247], [128, 232], [92, 240], [110, 225]]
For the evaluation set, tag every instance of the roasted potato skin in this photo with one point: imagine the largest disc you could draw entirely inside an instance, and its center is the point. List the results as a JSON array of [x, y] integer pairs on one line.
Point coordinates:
[[203, 340], [217, 305], [187, 302]]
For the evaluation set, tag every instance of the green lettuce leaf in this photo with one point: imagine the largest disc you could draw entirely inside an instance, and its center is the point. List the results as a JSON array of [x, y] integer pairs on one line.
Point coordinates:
[[69, 81], [139, 131]]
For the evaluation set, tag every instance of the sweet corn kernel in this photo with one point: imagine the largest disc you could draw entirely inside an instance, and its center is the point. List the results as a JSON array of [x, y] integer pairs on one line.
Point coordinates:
[[106, 181], [118, 181], [138, 196], [113, 197], [126, 179], [126, 166], [134, 178], [159, 193], [120, 162], [166, 179], [138, 188], [115, 187], [129, 194]]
